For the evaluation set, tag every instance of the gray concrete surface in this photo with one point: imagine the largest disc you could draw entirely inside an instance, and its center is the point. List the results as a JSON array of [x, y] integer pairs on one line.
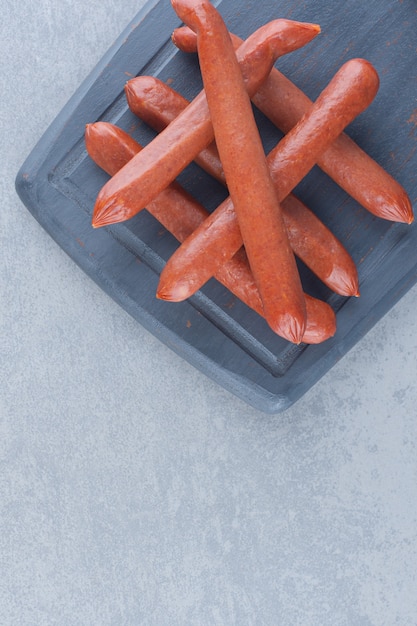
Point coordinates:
[[133, 490]]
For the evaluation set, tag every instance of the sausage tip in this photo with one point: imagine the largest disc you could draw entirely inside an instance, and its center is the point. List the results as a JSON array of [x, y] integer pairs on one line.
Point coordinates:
[[344, 280], [315, 27], [177, 293], [288, 327], [397, 209], [110, 212]]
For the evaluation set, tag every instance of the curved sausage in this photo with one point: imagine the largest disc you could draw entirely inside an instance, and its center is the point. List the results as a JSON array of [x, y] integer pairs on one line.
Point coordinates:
[[352, 88], [111, 148], [257, 209], [171, 151], [157, 104], [344, 161]]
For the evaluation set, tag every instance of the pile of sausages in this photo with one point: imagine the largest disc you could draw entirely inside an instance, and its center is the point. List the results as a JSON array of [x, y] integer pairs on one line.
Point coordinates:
[[249, 243]]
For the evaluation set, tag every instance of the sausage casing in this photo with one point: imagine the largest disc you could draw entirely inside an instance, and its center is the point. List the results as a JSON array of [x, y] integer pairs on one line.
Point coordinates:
[[258, 211]]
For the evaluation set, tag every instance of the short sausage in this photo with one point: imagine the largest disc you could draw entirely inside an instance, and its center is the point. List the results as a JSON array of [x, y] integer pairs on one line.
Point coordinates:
[[111, 148], [344, 161], [171, 151], [352, 89]]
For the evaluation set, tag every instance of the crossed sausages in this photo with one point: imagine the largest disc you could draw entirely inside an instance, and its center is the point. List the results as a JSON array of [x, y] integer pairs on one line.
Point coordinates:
[[260, 209]]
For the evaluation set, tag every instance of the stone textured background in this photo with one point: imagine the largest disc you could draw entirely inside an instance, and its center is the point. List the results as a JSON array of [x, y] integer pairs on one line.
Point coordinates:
[[133, 490]]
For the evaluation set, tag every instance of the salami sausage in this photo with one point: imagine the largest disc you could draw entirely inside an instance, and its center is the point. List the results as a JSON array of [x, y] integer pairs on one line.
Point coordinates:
[[157, 104], [171, 151], [344, 161], [111, 148], [352, 89], [257, 209]]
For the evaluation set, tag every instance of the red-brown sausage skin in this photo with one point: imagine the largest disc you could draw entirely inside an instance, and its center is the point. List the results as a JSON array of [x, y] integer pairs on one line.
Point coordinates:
[[111, 148], [258, 211], [157, 104], [344, 161], [352, 89], [171, 151]]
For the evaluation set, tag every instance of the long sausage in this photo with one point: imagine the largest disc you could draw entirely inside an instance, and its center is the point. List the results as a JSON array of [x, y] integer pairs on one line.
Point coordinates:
[[352, 89], [111, 148], [258, 211], [171, 151], [157, 104], [344, 161]]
